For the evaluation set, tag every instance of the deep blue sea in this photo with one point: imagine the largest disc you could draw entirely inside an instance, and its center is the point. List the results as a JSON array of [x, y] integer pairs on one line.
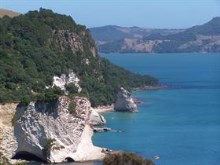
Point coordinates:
[[181, 124]]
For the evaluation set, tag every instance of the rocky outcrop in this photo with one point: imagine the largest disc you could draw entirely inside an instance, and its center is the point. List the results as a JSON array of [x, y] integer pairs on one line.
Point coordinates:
[[8, 142], [124, 101], [54, 131], [104, 129], [63, 80], [67, 39], [96, 119]]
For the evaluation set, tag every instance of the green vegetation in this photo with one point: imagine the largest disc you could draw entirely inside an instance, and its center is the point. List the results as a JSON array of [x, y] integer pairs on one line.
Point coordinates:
[[48, 146], [113, 46], [32, 51], [3, 159], [126, 159], [109, 33], [210, 28], [72, 107]]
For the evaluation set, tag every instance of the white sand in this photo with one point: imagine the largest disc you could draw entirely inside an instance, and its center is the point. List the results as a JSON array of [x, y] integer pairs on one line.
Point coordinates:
[[86, 151], [102, 109]]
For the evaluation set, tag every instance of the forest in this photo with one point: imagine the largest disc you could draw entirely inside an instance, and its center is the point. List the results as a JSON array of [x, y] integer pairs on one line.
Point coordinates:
[[30, 55]]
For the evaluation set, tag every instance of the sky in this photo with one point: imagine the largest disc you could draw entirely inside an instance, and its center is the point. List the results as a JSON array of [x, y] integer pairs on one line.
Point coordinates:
[[143, 13]]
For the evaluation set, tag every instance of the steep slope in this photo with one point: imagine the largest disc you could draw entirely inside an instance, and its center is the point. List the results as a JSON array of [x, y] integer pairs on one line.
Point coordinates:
[[203, 38], [44, 55], [210, 28], [9, 13], [109, 33], [50, 70], [53, 131]]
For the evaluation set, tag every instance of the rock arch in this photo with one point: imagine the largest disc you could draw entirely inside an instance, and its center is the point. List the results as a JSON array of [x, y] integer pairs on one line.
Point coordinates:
[[69, 159]]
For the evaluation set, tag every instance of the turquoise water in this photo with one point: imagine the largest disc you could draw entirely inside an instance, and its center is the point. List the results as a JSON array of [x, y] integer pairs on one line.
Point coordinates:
[[180, 124]]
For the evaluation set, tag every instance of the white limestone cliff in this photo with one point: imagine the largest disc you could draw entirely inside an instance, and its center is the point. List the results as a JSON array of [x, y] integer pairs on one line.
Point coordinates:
[[53, 132], [63, 79], [125, 102], [8, 142]]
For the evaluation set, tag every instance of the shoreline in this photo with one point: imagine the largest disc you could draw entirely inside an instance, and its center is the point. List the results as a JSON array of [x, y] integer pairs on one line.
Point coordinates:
[[104, 108], [159, 87], [110, 108]]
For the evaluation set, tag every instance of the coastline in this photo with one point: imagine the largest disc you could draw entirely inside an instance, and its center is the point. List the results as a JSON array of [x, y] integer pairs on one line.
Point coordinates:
[[159, 87], [104, 108], [110, 108]]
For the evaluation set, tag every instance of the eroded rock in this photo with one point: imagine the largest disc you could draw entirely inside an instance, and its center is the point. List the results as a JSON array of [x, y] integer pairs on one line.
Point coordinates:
[[67, 39], [96, 118], [53, 132], [63, 80], [125, 102]]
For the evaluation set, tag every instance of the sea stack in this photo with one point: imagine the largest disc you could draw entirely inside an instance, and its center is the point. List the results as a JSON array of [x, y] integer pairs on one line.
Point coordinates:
[[124, 102]]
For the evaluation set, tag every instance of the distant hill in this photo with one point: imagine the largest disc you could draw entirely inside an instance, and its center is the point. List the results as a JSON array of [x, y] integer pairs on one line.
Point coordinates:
[[111, 33], [201, 38], [9, 13]]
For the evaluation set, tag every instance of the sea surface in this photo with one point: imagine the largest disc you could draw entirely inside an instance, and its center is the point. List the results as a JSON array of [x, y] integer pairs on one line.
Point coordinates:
[[180, 124]]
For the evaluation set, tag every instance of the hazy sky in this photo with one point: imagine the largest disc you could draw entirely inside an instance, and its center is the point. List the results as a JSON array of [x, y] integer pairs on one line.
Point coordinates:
[[143, 13]]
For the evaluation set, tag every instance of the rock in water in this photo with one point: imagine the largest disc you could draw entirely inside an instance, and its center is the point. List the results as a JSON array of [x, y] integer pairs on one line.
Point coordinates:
[[96, 118], [125, 102], [55, 131], [105, 129]]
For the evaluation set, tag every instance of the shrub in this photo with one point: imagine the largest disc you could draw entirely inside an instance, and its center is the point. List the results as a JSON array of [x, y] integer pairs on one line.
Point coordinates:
[[72, 107], [48, 146], [71, 88], [30, 55], [126, 159]]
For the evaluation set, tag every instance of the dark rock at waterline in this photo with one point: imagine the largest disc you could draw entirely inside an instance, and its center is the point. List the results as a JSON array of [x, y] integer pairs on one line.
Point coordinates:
[[105, 129]]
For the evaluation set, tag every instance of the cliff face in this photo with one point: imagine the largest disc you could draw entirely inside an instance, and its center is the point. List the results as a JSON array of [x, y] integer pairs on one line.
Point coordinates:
[[7, 139], [43, 56], [54, 132], [67, 39]]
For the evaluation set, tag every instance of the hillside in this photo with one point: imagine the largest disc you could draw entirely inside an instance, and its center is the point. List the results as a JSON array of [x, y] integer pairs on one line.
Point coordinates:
[[9, 13], [44, 55], [111, 33], [202, 38]]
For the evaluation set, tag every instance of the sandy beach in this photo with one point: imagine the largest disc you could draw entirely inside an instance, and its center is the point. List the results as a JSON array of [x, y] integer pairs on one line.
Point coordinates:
[[102, 109]]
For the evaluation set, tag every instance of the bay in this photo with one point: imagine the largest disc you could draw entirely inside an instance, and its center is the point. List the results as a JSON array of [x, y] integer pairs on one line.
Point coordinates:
[[180, 124]]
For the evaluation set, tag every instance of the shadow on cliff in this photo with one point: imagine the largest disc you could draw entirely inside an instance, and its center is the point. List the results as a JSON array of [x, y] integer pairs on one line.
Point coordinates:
[[27, 156]]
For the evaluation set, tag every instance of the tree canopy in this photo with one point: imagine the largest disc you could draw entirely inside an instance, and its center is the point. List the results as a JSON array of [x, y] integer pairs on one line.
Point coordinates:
[[30, 55]]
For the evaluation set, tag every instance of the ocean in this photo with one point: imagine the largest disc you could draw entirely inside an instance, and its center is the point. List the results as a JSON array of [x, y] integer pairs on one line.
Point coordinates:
[[180, 124]]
